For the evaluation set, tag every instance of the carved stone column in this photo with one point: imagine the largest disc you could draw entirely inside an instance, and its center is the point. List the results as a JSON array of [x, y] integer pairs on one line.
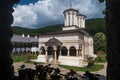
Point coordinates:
[[60, 52], [55, 54], [77, 52], [113, 39], [46, 54], [68, 54]]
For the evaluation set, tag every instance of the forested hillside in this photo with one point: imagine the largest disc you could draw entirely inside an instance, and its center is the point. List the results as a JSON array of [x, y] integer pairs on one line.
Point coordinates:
[[92, 26]]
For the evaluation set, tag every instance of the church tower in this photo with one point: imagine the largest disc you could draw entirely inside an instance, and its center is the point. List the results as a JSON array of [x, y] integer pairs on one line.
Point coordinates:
[[73, 20]]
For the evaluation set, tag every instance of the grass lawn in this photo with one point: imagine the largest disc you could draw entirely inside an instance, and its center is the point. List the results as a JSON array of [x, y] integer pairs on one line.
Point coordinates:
[[96, 67], [24, 57]]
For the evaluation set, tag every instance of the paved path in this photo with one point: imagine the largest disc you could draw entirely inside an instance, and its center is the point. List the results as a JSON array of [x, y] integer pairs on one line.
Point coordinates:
[[63, 71]]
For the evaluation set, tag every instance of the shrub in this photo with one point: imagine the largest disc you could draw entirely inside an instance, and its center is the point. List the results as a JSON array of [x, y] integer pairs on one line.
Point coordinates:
[[101, 57]]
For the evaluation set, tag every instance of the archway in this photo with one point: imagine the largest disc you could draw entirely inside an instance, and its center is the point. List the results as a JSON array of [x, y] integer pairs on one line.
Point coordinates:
[[50, 50], [53, 45], [64, 51], [42, 50], [72, 51]]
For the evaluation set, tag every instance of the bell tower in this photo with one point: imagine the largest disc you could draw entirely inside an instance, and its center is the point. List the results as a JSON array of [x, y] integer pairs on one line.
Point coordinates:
[[73, 19]]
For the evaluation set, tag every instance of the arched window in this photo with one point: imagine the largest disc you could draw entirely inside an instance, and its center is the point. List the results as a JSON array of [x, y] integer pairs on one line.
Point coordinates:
[[72, 51], [42, 50], [64, 51]]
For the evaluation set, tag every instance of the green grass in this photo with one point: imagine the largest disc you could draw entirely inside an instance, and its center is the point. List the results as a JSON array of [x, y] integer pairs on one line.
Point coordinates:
[[96, 67], [25, 57]]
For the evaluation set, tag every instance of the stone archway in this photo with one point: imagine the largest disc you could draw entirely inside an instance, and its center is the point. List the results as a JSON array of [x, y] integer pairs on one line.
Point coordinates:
[[56, 45], [64, 51], [72, 51], [42, 50]]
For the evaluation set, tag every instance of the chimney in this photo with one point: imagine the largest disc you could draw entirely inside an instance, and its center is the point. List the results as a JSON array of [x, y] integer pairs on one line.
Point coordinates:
[[35, 37], [28, 36], [23, 35]]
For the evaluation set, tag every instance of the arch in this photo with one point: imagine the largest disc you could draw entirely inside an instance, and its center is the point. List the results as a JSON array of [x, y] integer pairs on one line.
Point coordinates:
[[42, 50], [72, 51], [64, 51], [50, 50], [53, 41]]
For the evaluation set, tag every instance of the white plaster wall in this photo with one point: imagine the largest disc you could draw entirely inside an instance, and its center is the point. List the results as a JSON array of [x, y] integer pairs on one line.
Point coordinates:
[[41, 58], [67, 40], [71, 61], [13, 50], [83, 26], [22, 49], [91, 49], [69, 28], [18, 49], [81, 21], [70, 18], [34, 49], [28, 49]]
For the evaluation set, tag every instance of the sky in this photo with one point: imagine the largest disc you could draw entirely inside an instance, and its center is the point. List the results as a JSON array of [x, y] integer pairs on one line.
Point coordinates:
[[40, 13]]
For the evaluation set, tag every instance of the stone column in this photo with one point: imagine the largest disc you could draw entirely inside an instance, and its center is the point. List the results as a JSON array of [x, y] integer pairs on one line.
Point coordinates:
[[68, 54], [60, 52], [80, 53], [55, 56], [6, 19], [77, 53], [46, 54], [83, 54]]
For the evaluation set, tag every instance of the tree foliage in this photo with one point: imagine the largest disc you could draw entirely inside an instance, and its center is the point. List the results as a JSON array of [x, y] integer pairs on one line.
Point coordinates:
[[99, 42], [94, 26]]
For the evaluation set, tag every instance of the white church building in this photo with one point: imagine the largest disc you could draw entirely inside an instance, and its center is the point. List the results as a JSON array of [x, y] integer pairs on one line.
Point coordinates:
[[70, 46]]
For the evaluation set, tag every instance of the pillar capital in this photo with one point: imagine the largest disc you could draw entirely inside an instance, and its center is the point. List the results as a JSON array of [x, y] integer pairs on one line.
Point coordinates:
[[46, 47], [54, 48]]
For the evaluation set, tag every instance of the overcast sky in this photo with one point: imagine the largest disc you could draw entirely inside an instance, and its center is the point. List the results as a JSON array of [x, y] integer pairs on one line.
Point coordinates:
[[39, 13]]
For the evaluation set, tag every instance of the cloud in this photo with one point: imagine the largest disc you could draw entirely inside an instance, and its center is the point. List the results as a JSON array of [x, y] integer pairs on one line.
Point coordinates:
[[49, 12]]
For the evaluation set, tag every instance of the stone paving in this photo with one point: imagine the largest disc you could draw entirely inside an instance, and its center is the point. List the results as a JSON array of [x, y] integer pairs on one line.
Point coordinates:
[[102, 72]]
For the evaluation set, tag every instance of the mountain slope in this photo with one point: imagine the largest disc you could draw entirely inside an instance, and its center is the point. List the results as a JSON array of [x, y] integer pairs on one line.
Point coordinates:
[[92, 26]]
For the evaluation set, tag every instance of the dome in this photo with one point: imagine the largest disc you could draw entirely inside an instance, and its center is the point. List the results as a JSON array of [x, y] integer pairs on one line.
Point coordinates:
[[53, 41], [71, 10]]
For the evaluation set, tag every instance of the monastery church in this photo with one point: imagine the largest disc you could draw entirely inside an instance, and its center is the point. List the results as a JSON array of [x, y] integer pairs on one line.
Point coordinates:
[[71, 46]]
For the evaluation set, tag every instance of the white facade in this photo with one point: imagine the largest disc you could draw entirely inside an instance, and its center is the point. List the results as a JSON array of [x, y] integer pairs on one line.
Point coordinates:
[[23, 44], [70, 46], [73, 20]]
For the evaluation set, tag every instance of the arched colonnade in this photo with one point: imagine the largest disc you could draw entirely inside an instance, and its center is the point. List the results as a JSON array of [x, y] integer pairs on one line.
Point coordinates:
[[53, 48]]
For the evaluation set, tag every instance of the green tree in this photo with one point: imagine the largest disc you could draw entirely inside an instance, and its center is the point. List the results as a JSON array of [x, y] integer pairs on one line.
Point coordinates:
[[99, 42]]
